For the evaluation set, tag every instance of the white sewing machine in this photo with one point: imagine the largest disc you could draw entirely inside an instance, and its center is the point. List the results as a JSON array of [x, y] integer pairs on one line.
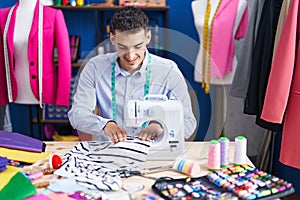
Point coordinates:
[[169, 113]]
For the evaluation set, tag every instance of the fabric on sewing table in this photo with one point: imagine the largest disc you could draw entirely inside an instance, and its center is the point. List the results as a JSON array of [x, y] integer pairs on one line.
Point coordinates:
[[97, 165]]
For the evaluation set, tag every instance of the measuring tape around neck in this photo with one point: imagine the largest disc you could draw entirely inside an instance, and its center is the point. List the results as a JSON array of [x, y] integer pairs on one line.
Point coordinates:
[[113, 84]]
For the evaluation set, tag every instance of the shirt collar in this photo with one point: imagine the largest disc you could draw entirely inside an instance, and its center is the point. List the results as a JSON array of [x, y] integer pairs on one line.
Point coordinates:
[[121, 71]]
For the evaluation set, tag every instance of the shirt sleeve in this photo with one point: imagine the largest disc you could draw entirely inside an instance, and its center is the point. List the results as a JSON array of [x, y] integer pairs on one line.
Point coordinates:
[[81, 115]]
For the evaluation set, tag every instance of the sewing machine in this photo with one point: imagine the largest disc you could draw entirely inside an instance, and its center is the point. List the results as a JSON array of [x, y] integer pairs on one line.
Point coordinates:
[[169, 113]]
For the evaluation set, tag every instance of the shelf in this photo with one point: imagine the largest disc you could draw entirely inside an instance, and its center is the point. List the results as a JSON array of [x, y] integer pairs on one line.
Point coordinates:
[[53, 121], [107, 7]]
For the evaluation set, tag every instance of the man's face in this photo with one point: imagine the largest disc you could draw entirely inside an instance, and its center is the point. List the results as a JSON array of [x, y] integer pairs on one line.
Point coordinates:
[[131, 48]]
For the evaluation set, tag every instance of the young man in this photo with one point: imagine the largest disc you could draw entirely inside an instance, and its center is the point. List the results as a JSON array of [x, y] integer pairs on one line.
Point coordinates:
[[109, 81]]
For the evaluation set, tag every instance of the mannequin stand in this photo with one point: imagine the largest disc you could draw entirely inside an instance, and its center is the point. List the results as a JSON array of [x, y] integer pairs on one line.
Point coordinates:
[[36, 120]]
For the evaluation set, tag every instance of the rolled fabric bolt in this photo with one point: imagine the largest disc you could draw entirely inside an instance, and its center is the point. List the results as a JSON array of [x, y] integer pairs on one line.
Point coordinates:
[[213, 162], [187, 166], [240, 150]]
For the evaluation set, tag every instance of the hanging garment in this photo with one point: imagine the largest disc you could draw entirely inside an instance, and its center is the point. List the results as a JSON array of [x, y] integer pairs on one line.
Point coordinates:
[[282, 101], [56, 80], [244, 60], [98, 165], [261, 65], [283, 14]]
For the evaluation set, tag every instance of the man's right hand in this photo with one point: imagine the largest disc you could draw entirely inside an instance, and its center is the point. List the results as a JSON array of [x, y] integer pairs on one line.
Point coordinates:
[[114, 132]]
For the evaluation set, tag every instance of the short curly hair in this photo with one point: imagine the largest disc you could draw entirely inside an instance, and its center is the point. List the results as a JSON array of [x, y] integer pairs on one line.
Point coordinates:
[[130, 19]]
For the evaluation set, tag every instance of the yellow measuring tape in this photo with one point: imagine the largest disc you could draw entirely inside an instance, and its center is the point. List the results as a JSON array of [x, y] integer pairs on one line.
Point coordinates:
[[207, 41]]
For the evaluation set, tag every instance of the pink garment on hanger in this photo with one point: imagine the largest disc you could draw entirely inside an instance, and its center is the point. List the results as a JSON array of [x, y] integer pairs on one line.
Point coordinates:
[[222, 47], [56, 79], [282, 99]]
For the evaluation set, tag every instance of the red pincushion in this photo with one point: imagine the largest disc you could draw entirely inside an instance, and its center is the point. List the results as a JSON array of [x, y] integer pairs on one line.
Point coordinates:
[[55, 161]]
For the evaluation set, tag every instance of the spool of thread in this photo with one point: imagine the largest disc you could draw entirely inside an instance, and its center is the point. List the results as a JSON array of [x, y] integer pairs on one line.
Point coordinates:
[[73, 2], [240, 150], [80, 2], [224, 150], [213, 162], [65, 2], [58, 2], [87, 2], [187, 166]]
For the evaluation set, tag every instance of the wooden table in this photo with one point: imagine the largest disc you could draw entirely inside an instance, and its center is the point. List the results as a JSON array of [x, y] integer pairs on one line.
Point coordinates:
[[197, 151]]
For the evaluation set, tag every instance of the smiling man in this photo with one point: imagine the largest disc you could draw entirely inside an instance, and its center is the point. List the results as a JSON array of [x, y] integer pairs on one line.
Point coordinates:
[[109, 81]]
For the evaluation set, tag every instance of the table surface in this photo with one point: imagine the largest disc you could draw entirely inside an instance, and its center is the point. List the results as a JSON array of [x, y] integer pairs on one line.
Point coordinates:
[[197, 151]]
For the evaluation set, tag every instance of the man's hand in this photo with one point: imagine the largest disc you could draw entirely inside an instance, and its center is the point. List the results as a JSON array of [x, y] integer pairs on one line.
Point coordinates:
[[116, 133], [150, 132]]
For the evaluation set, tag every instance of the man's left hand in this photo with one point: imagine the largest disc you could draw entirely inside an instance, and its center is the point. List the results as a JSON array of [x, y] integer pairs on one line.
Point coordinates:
[[150, 132]]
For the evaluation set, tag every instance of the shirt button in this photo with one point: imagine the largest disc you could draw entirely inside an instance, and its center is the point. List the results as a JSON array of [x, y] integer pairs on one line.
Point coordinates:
[[31, 63], [33, 76]]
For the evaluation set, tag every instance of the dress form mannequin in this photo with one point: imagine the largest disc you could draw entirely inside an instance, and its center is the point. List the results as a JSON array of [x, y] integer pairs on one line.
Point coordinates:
[[24, 18], [199, 10]]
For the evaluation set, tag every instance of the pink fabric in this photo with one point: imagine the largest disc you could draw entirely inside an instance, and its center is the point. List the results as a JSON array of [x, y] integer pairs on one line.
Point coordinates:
[[222, 48], [56, 80], [282, 99], [38, 197]]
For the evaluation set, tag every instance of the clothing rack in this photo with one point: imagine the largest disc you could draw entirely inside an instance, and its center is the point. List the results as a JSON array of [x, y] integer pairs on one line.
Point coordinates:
[[265, 158]]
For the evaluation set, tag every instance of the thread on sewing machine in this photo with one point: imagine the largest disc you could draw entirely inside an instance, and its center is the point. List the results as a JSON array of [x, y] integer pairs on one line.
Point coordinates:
[[240, 150], [224, 150], [187, 166], [213, 162]]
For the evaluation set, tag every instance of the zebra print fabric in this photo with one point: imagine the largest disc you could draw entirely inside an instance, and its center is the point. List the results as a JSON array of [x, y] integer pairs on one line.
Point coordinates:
[[97, 165]]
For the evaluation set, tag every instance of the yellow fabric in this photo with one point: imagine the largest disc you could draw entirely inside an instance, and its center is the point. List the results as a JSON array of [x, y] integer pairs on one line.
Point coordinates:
[[23, 156], [58, 137], [7, 174]]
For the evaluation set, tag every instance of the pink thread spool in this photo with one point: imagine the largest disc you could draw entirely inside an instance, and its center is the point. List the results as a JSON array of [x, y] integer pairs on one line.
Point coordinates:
[[213, 162]]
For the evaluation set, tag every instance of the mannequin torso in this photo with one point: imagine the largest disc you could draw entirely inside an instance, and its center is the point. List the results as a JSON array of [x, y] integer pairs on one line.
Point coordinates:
[[199, 11], [24, 18]]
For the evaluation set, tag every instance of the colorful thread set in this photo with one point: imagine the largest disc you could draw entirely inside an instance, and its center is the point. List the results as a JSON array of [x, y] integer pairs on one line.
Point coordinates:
[[248, 182], [237, 182], [190, 188], [73, 2], [187, 166], [218, 154]]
